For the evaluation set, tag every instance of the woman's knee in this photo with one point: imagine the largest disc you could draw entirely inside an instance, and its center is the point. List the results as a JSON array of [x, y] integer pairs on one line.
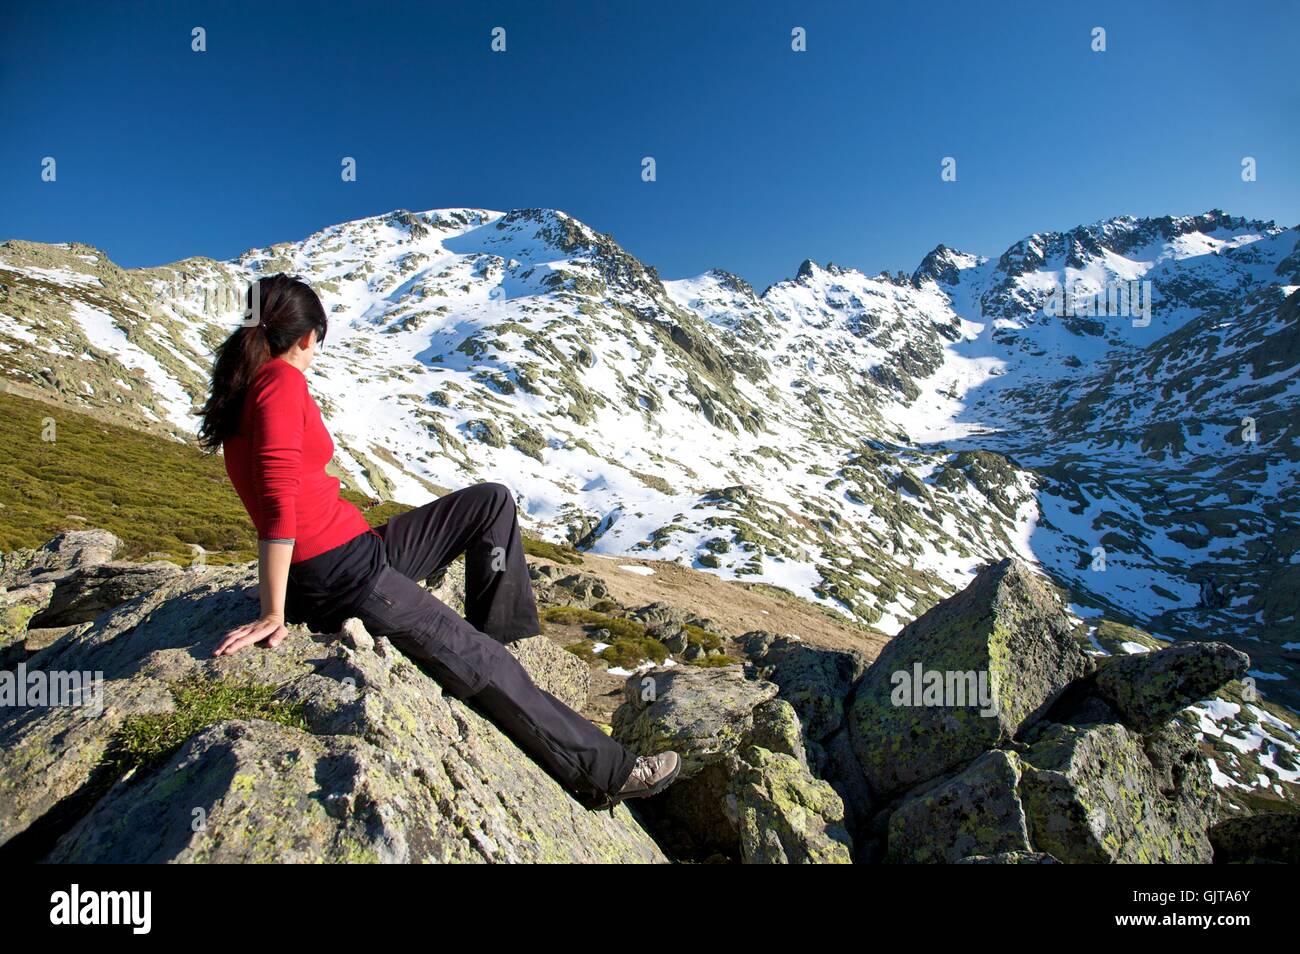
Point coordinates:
[[494, 494]]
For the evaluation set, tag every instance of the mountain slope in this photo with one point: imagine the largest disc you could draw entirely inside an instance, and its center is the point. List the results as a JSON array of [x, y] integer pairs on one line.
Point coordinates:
[[863, 441]]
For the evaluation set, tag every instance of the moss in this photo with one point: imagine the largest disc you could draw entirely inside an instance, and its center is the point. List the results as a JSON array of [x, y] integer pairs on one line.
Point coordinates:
[[630, 651], [710, 662], [160, 496], [555, 552], [143, 741], [699, 636], [583, 650], [578, 616]]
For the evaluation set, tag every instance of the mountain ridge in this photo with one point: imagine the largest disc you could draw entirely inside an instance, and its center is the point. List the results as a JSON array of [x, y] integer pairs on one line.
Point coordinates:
[[863, 441]]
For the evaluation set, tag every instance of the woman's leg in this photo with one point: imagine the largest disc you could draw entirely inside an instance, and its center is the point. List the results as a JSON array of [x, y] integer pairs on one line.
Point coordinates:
[[480, 522], [477, 668]]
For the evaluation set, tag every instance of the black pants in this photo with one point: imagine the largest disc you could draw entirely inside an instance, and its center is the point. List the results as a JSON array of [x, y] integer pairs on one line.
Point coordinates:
[[374, 577]]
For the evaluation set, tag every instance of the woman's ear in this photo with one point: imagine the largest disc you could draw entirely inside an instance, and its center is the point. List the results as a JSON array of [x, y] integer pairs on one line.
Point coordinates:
[[306, 341]]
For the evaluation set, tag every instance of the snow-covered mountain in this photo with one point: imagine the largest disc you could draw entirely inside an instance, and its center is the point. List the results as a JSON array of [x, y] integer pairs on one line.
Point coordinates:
[[863, 441]]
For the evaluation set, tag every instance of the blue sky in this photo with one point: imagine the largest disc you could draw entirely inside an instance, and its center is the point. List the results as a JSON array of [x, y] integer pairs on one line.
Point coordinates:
[[764, 156]]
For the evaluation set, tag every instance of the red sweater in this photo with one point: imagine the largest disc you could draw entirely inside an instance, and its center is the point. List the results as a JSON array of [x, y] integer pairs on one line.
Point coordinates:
[[277, 461]]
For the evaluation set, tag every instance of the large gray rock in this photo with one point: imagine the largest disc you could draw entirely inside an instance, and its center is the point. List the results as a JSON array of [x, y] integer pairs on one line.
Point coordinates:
[[777, 729], [388, 767], [703, 714], [17, 607], [784, 815], [1007, 627], [583, 589], [88, 591], [659, 614], [817, 682], [65, 552], [1094, 794], [745, 790], [1148, 689], [976, 813], [554, 669]]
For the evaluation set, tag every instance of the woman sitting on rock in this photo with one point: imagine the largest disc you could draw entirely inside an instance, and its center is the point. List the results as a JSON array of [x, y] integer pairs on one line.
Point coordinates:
[[319, 559]]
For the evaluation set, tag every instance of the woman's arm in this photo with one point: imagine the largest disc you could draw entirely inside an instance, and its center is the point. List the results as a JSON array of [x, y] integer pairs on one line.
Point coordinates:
[[273, 579], [277, 422]]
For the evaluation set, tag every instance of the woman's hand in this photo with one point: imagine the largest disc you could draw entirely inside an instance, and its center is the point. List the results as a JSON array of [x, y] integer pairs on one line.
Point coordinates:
[[268, 629]]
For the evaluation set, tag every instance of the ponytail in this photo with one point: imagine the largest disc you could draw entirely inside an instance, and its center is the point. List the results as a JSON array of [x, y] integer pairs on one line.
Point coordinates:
[[289, 309]]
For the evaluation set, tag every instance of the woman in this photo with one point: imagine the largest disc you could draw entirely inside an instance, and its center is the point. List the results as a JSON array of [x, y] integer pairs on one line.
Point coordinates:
[[319, 561]]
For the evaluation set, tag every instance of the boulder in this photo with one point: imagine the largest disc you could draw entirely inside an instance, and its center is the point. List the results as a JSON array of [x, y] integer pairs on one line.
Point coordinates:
[[704, 715], [554, 669], [17, 607], [777, 729], [656, 614], [976, 813], [745, 790], [672, 635], [1092, 794], [583, 588], [1148, 689], [88, 591], [65, 552], [815, 681], [784, 815], [377, 764], [1009, 629]]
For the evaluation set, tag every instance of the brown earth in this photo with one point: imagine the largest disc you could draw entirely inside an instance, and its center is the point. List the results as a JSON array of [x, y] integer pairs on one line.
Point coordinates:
[[735, 608]]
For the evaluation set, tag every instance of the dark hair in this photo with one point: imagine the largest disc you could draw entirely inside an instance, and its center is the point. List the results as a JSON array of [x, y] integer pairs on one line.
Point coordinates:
[[287, 310]]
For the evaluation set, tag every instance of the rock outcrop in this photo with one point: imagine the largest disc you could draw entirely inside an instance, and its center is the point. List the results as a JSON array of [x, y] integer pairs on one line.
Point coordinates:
[[745, 790], [1005, 637], [1147, 689], [1092, 793], [133, 744], [31, 579], [376, 763], [1073, 761]]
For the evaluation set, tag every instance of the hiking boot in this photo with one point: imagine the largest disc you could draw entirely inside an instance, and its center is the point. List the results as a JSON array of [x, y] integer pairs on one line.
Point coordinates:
[[651, 775]]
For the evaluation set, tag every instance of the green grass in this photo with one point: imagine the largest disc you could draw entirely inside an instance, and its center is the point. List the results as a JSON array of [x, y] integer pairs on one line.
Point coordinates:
[[158, 495], [630, 651], [629, 645], [556, 552], [577, 616], [583, 650], [709, 662], [144, 741], [702, 637]]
